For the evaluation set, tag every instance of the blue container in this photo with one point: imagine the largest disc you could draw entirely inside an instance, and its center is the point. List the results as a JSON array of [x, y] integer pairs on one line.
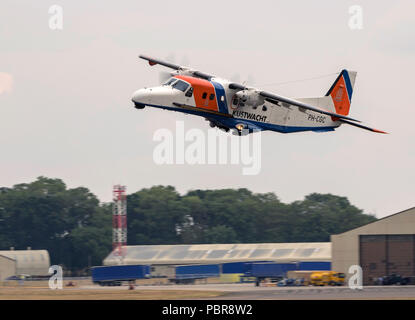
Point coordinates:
[[238, 267], [120, 273], [234, 267], [270, 269], [197, 271], [314, 266]]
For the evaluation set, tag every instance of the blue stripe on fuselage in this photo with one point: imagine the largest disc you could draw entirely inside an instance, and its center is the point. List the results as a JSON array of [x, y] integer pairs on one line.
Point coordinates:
[[220, 92], [231, 122]]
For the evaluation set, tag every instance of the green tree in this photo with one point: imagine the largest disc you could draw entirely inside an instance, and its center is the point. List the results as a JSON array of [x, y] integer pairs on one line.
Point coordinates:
[[155, 216], [77, 230], [45, 214]]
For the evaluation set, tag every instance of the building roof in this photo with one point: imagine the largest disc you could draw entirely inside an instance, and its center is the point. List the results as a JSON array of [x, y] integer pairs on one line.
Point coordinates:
[[222, 253], [26, 255], [401, 221], [8, 258], [33, 262]]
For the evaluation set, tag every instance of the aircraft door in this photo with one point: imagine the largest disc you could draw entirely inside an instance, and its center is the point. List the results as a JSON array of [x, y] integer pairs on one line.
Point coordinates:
[[189, 96]]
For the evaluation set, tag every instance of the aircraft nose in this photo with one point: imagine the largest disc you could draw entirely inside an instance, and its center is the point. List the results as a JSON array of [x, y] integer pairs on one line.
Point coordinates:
[[140, 97]]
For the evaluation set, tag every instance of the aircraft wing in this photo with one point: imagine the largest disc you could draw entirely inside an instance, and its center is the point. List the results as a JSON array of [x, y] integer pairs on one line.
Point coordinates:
[[273, 98], [178, 68], [276, 99], [153, 62]]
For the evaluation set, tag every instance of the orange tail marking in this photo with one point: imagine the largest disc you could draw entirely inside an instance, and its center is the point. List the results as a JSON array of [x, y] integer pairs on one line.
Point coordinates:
[[340, 97]]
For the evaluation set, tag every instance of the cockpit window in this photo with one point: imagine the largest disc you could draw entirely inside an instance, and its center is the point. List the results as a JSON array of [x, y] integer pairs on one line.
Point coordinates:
[[170, 82], [189, 92], [181, 85]]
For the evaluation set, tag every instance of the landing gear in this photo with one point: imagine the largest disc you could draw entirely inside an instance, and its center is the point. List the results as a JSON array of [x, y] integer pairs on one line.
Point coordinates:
[[237, 132], [139, 105], [213, 125], [240, 130]]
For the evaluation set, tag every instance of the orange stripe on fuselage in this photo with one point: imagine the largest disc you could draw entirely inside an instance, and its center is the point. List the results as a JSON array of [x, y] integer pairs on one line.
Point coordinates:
[[340, 98], [201, 86]]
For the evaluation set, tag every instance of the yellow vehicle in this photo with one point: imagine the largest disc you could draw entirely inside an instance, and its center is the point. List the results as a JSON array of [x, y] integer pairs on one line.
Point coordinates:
[[327, 278]]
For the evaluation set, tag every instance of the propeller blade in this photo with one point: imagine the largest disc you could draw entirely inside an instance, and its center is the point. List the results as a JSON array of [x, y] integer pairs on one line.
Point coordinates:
[[164, 76]]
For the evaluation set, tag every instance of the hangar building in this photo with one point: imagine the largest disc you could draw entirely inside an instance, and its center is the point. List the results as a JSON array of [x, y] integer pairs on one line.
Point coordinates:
[[381, 248], [163, 257], [7, 267], [27, 262]]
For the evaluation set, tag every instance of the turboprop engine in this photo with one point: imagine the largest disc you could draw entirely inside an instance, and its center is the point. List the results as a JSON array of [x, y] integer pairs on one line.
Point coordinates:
[[248, 97]]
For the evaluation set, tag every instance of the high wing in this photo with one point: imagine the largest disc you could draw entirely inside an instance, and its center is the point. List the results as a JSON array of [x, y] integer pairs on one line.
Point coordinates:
[[180, 69], [276, 99]]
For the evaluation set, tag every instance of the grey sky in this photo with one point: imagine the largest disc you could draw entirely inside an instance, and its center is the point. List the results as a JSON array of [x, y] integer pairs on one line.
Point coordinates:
[[65, 108]]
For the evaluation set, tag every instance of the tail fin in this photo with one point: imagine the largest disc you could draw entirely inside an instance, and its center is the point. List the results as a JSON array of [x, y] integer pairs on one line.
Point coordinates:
[[342, 90]]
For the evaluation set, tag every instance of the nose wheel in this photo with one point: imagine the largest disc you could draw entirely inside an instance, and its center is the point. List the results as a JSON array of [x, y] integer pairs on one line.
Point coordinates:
[[139, 105]]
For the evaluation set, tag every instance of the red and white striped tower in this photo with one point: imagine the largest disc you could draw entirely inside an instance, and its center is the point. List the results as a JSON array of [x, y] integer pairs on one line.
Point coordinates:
[[119, 222]]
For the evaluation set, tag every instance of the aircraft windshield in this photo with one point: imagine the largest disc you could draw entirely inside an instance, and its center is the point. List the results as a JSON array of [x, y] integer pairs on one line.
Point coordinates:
[[170, 82], [181, 85]]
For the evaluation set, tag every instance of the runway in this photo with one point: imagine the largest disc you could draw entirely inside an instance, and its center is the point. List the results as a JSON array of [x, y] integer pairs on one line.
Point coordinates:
[[250, 292]]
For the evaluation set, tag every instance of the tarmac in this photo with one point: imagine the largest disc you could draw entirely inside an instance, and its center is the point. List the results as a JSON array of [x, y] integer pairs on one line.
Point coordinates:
[[248, 291]]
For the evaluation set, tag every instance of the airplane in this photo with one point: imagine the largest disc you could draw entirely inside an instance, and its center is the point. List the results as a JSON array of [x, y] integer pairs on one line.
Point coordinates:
[[232, 106]]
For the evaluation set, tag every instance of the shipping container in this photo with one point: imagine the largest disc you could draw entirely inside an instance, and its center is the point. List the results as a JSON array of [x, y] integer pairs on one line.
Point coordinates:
[[238, 267], [190, 273], [197, 271], [115, 275], [314, 265], [270, 269]]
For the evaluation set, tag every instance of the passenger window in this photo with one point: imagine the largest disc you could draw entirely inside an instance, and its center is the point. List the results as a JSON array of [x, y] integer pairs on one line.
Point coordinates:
[[189, 92], [264, 108], [212, 96], [204, 95]]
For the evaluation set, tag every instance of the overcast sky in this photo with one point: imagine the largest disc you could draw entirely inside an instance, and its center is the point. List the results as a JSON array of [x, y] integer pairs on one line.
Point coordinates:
[[65, 108]]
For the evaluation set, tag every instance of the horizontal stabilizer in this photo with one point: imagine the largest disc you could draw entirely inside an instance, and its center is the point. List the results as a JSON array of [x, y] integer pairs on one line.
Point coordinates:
[[361, 126]]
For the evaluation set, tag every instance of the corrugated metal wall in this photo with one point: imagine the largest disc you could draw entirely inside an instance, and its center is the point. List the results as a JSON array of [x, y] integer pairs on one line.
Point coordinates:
[[382, 255], [7, 267], [30, 262], [400, 254]]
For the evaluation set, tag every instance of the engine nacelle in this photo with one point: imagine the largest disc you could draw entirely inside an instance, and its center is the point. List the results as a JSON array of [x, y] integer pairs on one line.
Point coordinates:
[[248, 97]]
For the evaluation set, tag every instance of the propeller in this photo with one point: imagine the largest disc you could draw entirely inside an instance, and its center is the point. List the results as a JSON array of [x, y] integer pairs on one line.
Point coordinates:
[[164, 76]]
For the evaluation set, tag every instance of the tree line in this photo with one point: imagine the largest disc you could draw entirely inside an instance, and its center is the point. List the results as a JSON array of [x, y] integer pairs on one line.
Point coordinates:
[[76, 228]]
